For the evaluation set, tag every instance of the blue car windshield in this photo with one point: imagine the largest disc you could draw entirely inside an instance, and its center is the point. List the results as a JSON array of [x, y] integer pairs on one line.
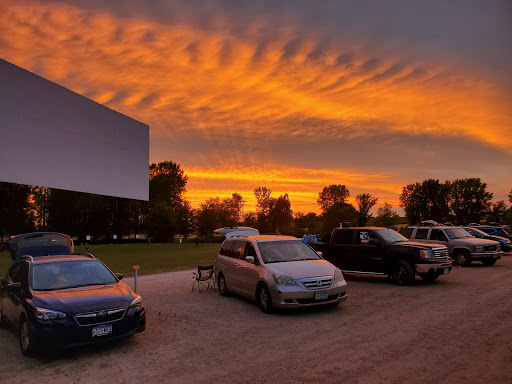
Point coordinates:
[[70, 274], [286, 250]]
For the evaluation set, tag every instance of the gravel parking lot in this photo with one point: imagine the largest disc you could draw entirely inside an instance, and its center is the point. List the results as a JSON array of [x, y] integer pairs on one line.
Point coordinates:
[[455, 330]]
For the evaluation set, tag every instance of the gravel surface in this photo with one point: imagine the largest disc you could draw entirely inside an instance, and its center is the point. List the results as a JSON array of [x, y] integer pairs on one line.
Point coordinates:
[[455, 330]]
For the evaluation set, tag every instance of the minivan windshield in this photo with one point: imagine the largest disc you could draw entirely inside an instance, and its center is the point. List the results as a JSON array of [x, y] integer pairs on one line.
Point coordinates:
[[286, 250], [70, 274], [457, 233]]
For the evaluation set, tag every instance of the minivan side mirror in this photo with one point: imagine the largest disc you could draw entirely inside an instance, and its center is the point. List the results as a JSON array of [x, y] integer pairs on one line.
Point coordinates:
[[119, 276], [249, 259], [14, 288]]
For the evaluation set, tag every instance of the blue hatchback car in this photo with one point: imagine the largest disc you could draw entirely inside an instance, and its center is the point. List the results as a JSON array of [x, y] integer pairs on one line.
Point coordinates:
[[61, 301]]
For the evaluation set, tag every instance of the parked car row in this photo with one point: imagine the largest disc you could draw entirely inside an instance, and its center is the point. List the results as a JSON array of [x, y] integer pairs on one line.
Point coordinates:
[[462, 246], [55, 298]]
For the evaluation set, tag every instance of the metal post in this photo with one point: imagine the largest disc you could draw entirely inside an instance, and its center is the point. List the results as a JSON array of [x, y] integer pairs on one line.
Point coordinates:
[[135, 269]]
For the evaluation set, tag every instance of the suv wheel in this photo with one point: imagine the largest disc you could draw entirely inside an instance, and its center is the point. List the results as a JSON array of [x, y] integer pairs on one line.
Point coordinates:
[[223, 288], [462, 257], [489, 261], [403, 274], [265, 299], [28, 343], [2, 321]]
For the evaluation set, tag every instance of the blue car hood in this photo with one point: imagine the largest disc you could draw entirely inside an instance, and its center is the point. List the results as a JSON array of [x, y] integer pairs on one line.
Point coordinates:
[[84, 299]]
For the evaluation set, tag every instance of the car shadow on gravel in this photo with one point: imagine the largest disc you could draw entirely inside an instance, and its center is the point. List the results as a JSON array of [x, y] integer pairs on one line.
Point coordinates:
[[383, 280]]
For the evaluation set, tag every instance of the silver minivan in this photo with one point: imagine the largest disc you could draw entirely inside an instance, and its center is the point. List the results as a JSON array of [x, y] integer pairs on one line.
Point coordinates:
[[277, 271]]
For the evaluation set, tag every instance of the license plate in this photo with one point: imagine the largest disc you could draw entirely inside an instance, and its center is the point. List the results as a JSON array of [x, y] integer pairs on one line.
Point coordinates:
[[446, 270], [321, 295], [102, 330]]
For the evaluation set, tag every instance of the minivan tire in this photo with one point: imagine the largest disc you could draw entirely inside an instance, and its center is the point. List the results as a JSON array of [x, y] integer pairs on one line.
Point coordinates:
[[402, 273], [264, 299], [462, 257], [223, 288]]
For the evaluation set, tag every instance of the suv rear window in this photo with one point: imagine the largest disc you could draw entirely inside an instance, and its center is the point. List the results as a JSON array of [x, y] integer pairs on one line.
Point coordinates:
[[421, 233], [407, 232]]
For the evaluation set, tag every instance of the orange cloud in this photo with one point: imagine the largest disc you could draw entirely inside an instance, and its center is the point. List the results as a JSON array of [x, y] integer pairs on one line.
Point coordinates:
[[183, 80]]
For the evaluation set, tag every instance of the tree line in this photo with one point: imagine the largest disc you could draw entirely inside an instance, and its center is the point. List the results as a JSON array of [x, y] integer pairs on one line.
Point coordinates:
[[167, 213]]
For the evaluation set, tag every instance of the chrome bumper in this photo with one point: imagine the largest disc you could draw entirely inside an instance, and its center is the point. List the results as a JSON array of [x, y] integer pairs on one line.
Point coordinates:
[[486, 255], [438, 267]]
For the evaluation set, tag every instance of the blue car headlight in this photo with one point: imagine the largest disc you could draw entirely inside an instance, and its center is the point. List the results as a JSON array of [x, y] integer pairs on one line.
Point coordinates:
[[137, 302], [48, 314]]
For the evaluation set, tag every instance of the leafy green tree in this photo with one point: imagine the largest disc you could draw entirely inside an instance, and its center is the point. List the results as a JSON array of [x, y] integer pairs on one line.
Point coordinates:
[[167, 183], [426, 201], [469, 200], [510, 196], [410, 201], [386, 217], [336, 214], [216, 213], [334, 193], [498, 212], [365, 203], [274, 214]]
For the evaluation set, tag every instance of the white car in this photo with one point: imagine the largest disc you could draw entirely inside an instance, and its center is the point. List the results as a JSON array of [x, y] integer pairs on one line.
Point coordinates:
[[277, 271]]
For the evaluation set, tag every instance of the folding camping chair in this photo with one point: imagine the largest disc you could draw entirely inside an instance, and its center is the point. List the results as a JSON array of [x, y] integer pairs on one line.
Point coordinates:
[[204, 278]]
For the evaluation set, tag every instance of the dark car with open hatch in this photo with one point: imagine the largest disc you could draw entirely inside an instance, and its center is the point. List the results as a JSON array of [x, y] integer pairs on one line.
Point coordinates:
[[59, 301]]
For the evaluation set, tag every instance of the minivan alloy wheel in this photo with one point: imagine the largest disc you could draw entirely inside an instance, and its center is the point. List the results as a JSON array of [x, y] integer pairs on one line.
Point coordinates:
[[223, 289], [265, 299]]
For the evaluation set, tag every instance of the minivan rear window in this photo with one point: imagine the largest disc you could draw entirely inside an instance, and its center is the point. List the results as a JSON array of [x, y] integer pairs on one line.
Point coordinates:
[[225, 250]]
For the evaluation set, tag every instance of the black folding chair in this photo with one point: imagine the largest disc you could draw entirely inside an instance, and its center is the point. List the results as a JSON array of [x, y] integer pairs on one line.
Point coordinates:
[[204, 278]]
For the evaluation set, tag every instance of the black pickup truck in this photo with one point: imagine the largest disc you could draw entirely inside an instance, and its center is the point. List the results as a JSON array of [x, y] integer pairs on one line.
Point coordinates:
[[385, 252]]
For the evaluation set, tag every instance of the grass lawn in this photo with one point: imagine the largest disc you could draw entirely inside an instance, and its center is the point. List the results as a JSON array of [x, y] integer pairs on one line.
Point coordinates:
[[152, 258]]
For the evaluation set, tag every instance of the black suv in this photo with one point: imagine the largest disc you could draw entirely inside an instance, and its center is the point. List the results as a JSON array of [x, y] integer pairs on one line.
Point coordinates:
[[67, 300]]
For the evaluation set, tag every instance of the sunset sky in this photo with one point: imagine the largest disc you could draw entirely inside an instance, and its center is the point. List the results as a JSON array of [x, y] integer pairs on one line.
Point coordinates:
[[293, 95]]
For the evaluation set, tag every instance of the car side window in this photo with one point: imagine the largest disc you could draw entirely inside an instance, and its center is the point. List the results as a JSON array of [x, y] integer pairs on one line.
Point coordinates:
[[421, 233], [225, 250], [407, 232], [13, 271], [251, 251], [239, 249], [364, 237], [437, 234], [21, 275], [343, 236]]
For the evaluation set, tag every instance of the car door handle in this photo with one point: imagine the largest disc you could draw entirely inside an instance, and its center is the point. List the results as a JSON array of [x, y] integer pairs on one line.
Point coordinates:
[[241, 266], [235, 265]]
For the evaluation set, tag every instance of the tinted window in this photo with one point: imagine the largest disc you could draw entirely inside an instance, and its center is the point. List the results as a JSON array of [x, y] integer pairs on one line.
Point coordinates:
[[407, 232], [225, 250], [21, 275], [69, 274], [239, 249], [13, 271], [250, 251], [343, 236], [421, 233], [437, 234]]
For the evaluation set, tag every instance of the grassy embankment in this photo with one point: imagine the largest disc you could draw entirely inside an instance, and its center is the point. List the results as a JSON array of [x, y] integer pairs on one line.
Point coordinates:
[[152, 258]]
